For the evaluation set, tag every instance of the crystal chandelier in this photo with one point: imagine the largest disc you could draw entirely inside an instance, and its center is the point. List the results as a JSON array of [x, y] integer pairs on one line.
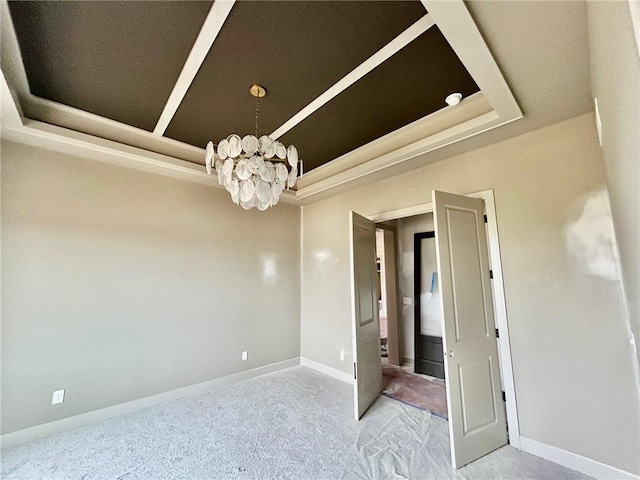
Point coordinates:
[[253, 170]]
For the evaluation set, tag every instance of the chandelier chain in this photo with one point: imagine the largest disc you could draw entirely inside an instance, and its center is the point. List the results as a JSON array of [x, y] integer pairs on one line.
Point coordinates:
[[257, 107]]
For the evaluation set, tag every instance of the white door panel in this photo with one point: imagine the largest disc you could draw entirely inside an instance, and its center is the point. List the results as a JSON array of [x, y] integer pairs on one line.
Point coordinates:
[[365, 321], [477, 422]]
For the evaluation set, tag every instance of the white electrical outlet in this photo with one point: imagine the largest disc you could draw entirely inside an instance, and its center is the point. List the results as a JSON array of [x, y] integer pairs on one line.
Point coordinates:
[[342, 354], [58, 397], [245, 355]]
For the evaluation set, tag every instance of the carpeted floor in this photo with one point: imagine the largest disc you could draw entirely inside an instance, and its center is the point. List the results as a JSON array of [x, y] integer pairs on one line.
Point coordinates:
[[295, 424], [415, 391]]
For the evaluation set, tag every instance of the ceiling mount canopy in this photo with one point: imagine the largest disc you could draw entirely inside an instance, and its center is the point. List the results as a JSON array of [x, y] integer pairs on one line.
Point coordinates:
[[254, 170], [257, 91]]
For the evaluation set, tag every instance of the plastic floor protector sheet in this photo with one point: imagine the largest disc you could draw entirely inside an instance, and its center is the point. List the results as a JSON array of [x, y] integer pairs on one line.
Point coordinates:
[[398, 441]]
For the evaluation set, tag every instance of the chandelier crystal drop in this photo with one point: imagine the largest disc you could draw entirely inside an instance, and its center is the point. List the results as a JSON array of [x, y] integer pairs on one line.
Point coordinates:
[[254, 170]]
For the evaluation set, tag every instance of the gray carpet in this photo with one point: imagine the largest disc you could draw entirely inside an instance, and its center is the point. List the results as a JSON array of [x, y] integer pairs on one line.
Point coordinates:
[[293, 424]]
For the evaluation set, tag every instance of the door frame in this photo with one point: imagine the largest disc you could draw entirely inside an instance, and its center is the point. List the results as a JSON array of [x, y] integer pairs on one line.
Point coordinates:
[[395, 334], [417, 303], [499, 301]]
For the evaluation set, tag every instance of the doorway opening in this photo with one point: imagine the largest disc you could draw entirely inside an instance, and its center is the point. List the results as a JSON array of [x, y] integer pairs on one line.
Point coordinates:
[[382, 297], [468, 251], [409, 310], [428, 348], [407, 376]]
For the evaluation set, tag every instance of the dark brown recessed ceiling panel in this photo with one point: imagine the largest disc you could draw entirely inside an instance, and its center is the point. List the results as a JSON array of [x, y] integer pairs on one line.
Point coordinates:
[[408, 86], [119, 60], [297, 50]]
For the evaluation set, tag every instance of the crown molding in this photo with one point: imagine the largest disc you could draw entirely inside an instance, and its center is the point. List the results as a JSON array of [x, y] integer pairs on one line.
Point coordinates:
[[59, 139], [208, 33], [394, 46], [66, 129]]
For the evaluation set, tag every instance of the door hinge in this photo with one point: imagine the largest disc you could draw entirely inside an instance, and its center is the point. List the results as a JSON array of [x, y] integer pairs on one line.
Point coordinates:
[[490, 273], [355, 376], [504, 397], [497, 333], [486, 220]]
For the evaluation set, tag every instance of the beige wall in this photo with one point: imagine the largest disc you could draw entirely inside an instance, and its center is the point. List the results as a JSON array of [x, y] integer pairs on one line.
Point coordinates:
[[615, 81], [119, 284], [575, 384]]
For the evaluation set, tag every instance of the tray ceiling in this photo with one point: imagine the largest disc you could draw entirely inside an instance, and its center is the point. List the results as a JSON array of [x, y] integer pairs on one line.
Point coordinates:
[[118, 60], [357, 86], [297, 50], [410, 85]]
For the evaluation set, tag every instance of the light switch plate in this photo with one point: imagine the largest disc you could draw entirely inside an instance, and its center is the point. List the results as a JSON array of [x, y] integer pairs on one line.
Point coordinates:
[[245, 355], [407, 301]]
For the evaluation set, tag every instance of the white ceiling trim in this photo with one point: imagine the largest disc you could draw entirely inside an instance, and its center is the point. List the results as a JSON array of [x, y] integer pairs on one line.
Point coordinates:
[[382, 55], [59, 139], [457, 26], [82, 121], [75, 119], [451, 135], [10, 114], [439, 121], [71, 142], [390, 150], [208, 33], [455, 23], [12, 66]]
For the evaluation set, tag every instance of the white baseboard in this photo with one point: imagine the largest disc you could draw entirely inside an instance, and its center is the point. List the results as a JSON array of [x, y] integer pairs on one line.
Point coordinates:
[[332, 372], [407, 361], [39, 431], [574, 461]]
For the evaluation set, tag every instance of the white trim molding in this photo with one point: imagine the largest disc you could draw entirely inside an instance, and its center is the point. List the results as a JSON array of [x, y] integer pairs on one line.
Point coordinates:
[[208, 33], [456, 24], [67, 141], [322, 368], [634, 8], [401, 213], [382, 55], [490, 108], [502, 324], [576, 462], [10, 113], [52, 428]]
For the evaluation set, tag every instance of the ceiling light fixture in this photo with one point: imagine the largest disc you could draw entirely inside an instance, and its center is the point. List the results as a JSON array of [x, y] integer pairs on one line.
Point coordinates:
[[453, 99], [254, 170]]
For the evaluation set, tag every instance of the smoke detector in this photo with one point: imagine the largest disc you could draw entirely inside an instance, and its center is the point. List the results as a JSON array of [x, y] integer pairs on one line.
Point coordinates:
[[453, 99]]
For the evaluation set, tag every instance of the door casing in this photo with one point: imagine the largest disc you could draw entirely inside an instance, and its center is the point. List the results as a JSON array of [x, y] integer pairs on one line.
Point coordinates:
[[394, 325], [499, 300]]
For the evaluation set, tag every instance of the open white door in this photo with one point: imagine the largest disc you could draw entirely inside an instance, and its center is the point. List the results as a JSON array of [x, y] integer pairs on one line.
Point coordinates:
[[477, 422], [367, 366]]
